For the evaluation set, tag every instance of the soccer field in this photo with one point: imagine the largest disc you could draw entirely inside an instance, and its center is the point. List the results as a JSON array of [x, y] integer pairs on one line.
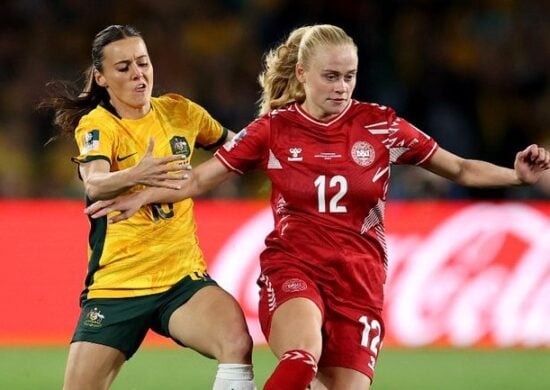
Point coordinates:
[[167, 369]]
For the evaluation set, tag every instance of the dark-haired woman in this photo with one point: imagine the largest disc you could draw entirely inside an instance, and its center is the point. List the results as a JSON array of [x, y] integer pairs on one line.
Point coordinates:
[[148, 272]]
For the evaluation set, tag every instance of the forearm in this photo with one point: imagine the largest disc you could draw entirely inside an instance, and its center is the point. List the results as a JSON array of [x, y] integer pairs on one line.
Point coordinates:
[[477, 173], [203, 179], [107, 185]]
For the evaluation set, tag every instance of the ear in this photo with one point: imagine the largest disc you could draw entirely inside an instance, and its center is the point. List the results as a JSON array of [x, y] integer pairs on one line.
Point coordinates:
[[300, 73], [100, 79]]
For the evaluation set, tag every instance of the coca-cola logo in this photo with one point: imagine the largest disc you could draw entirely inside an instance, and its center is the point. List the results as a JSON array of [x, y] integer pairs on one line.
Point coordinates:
[[481, 276]]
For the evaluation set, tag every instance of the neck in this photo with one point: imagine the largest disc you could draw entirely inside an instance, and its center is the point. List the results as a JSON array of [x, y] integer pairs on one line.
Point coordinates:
[[128, 112]]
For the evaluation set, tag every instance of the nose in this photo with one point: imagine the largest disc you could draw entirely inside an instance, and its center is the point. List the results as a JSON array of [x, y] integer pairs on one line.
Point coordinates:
[[135, 71], [340, 86]]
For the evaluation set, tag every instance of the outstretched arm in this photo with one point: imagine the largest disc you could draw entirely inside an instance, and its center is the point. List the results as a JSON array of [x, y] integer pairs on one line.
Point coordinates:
[[200, 180], [529, 165], [101, 183]]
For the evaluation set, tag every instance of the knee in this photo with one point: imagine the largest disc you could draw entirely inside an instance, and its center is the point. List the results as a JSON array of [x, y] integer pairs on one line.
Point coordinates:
[[236, 345]]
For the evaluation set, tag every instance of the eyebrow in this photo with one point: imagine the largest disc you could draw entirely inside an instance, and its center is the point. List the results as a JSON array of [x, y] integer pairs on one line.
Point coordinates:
[[126, 62], [336, 71]]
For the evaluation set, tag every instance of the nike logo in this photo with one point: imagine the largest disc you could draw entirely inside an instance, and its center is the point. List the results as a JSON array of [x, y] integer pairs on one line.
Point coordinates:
[[119, 158]]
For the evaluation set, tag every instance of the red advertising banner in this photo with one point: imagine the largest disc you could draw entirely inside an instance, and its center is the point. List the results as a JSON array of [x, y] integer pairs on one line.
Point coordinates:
[[461, 274]]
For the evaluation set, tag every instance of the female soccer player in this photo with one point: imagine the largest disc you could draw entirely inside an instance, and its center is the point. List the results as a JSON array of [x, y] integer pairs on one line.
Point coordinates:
[[328, 157], [147, 272]]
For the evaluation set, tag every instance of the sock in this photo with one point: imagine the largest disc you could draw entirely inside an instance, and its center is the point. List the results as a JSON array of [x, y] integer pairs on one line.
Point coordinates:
[[295, 371], [234, 377]]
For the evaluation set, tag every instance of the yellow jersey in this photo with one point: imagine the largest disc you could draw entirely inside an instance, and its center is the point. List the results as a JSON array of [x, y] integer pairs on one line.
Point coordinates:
[[158, 246]]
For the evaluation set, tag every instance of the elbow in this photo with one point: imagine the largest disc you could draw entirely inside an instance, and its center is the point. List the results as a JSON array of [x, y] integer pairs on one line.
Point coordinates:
[[92, 193]]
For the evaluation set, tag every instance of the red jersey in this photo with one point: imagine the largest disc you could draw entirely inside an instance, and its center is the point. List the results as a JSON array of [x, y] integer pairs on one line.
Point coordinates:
[[329, 186]]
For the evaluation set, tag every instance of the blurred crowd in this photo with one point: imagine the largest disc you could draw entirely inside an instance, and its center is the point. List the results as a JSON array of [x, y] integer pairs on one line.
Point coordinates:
[[472, 74]]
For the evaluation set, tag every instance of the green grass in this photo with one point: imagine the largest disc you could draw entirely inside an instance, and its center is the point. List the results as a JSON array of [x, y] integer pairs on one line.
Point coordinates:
[[167, 368]]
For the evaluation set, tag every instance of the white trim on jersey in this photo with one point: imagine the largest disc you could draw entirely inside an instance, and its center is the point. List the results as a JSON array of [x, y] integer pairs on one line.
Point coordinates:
[[325, 124], [428, 155], [224, 162]]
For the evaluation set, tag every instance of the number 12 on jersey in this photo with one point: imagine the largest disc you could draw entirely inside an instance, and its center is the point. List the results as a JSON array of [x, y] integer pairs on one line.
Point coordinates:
[[333, 206], [371, 341]]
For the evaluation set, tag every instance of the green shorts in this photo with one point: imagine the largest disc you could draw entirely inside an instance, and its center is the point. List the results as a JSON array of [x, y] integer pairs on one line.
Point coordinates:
[[122, 323]]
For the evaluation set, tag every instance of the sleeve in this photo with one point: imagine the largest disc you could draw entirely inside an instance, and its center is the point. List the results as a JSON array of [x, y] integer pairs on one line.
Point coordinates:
[[94, 142], [211, 133], [248, 149], [408, 144]]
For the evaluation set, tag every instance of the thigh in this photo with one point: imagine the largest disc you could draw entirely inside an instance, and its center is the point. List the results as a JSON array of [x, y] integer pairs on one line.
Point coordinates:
[[209, 321], [339, 378], [278, 287], [351, 341], [92, 366], [119, 323], [296, 324]]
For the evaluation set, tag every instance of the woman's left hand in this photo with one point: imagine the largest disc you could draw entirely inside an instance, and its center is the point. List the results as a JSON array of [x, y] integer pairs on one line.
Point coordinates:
[[531, 163]]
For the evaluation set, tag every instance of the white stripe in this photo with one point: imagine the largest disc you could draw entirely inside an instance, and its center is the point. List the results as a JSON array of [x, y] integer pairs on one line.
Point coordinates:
[[428, 155], [375, 124], [379, 131]]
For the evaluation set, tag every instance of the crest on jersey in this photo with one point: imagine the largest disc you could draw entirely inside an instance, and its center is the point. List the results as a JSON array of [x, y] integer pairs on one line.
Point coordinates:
[[94, 318], [362, 153], [180, 145], [91, 141], [294, 285]]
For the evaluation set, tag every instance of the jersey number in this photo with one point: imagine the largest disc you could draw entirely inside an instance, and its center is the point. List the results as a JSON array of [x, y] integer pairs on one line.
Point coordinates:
[[371, 342], [333, 206]]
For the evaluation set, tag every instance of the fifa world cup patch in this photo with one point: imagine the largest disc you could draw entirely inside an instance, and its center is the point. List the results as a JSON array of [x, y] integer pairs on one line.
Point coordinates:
[[91, 141], [231, 144], [94, 318]]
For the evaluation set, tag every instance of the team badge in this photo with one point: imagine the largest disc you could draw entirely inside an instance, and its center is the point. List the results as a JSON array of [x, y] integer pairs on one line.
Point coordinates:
[[294, 285], [91, 141], [180, 145], [94, 318], [362, 153]]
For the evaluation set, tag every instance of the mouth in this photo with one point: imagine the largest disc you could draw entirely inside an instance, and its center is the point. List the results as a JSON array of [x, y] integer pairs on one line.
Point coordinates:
[[338, 100], [141, 88]]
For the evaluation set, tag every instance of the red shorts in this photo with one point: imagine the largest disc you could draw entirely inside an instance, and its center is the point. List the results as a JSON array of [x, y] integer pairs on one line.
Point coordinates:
[[352, 337]]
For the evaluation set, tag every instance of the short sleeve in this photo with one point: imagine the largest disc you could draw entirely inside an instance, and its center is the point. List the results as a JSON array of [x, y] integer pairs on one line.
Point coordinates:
[[94, 142], [248, 149], [409, 144], [211, 133]]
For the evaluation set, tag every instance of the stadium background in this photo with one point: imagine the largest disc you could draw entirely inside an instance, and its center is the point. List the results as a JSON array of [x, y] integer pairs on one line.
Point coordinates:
[[475, 75]]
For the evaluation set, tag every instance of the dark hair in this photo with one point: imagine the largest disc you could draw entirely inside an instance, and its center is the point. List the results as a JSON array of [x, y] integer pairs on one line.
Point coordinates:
[[69, 102]]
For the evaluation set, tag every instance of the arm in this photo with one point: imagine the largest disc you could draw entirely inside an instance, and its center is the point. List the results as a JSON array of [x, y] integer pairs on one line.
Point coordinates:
[[204, 178], [529, 165], [100, 183]]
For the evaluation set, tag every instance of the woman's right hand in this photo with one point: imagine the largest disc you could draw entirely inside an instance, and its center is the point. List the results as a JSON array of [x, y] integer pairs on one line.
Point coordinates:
[[159, 171]]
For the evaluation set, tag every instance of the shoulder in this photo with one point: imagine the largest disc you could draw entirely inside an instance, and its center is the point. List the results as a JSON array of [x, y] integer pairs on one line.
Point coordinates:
[[97, 118], [175, 102], [373, 110]]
